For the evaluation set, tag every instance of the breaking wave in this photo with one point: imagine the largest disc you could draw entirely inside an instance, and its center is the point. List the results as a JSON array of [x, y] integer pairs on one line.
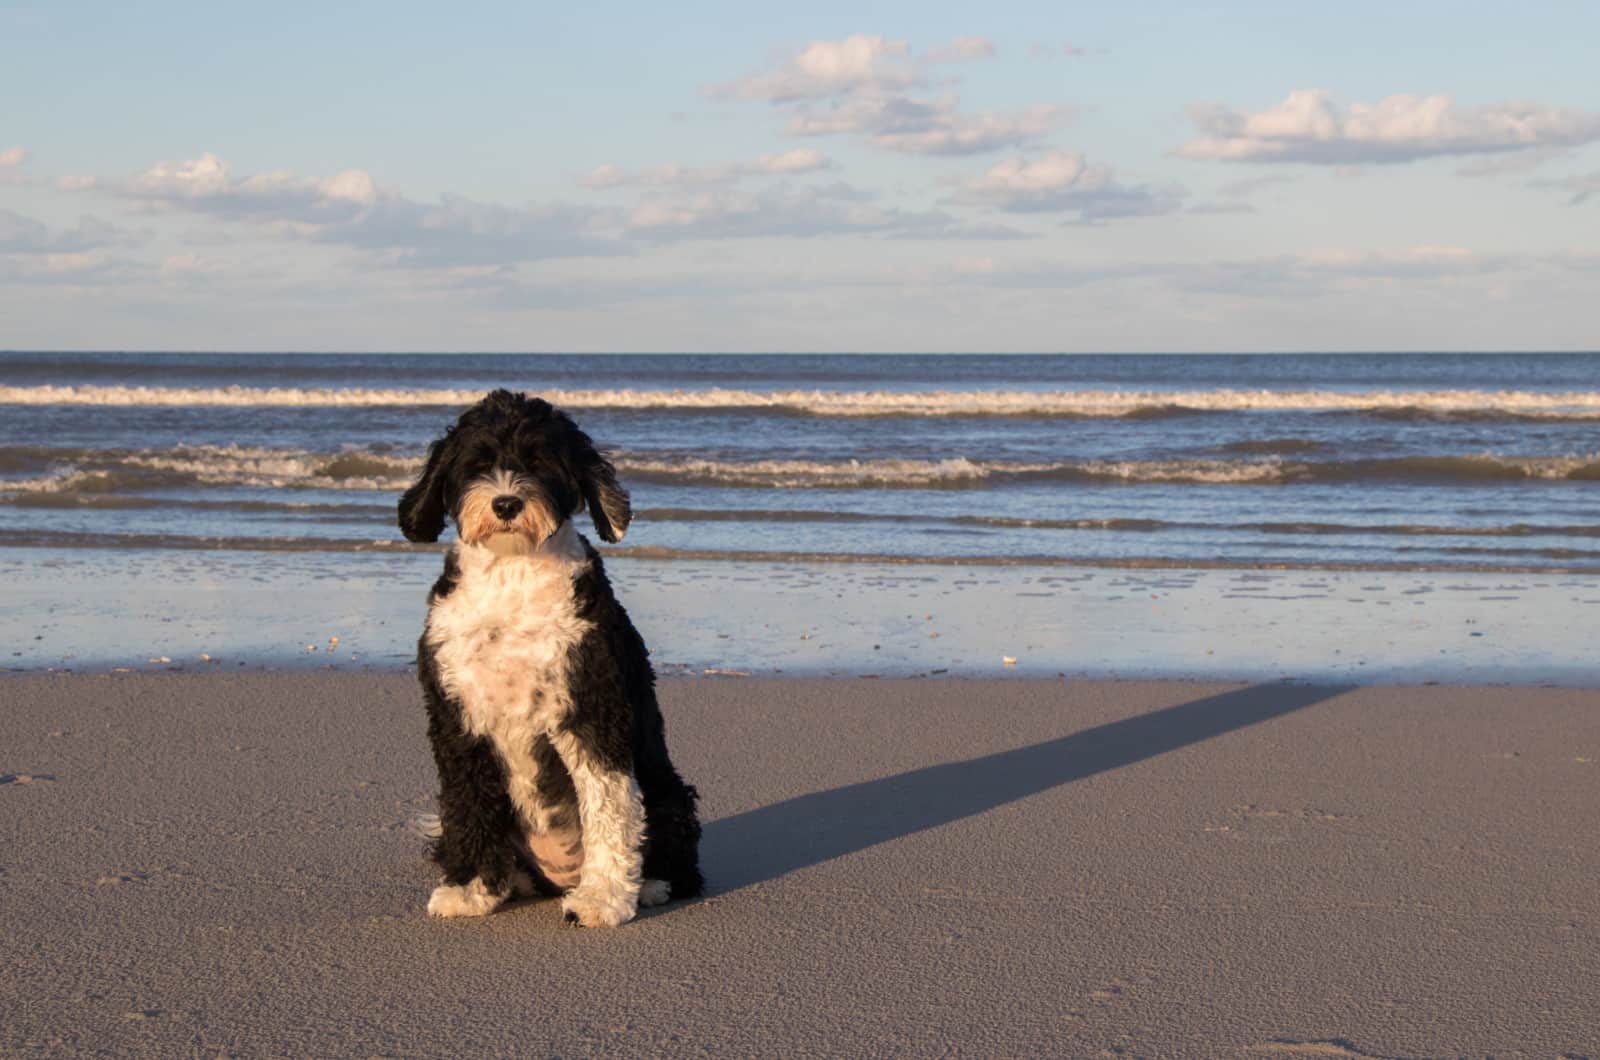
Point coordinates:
[[1067, 404], [961, 472], [113, 472]]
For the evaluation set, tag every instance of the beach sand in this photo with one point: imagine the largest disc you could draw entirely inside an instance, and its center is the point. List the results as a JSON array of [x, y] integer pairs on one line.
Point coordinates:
[[213, 864]]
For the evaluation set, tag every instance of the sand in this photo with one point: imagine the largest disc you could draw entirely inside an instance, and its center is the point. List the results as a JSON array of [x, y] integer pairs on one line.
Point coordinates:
[[205, 864]]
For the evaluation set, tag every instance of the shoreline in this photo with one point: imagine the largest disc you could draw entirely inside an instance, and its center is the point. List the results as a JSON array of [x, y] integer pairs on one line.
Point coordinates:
[[224, 863], [94, 612]]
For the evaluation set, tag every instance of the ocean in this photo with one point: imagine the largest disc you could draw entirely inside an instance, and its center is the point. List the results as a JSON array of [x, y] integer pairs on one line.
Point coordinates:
[[1410, 461], [116, 465]]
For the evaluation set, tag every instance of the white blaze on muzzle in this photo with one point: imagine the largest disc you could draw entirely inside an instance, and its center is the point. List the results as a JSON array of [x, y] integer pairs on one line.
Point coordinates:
[[478, 520]]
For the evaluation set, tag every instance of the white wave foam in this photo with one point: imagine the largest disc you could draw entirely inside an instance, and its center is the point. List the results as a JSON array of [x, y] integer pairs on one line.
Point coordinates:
[[223, 465], [815, 473], [233, 465], [854, 403]]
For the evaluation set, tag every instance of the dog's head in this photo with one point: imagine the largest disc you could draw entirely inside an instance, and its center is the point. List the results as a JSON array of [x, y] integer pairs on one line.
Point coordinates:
[[513, 465]]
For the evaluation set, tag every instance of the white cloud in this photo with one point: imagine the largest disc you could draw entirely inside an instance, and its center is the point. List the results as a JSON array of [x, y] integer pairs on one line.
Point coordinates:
[[798, 160], [925, 126], [350, 209], [205, 184], [1061, 182], [861, 86], [829, 68], [794, 212], [1309, 127]]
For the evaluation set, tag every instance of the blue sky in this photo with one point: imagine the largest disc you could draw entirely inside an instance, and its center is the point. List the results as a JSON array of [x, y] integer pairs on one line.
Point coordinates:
[[873, 177]]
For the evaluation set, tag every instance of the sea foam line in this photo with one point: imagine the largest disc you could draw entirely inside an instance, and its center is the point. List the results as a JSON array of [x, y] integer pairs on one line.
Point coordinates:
[[118, 471], [860, 403]]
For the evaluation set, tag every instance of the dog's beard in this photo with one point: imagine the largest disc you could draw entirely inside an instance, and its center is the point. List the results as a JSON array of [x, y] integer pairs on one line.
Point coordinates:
[[531, 526]]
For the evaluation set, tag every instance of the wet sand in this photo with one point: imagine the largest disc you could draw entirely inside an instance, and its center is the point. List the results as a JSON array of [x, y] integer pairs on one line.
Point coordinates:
[[231, 611], [214, 864]]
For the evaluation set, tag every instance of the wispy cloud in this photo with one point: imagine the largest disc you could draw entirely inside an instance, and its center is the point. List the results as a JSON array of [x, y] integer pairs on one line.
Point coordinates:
[[926, 126], [1309, 127], [25, 235], [1064, 50], [1062, 182], [1580, 187], [1233, 196], [785, 163], [351, 209], [1243, 189], [791, 211], [962, 49], [1518, 162]]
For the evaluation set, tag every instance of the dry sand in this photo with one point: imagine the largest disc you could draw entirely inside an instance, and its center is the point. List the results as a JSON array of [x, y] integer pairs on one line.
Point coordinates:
[[203, 864]]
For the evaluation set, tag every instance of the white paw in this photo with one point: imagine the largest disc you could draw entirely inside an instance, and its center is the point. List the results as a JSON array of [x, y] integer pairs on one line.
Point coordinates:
[[599, 907], [467, 899], [654, 892]]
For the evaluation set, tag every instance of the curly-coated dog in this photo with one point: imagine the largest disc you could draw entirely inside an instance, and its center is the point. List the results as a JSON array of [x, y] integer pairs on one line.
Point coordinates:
[[553, 768]]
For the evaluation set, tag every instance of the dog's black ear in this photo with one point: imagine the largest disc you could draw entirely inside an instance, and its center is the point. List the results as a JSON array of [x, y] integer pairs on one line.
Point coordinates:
[[608, 503], [423, 506]]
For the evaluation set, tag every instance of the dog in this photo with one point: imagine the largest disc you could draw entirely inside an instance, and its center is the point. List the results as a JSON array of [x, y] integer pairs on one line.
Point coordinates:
[[554, 776]]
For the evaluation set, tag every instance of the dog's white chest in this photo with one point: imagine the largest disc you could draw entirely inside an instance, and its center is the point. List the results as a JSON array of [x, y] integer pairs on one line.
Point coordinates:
[[502, 640]]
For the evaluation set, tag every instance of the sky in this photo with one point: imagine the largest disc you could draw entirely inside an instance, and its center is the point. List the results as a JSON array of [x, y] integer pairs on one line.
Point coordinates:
[[827, 177]]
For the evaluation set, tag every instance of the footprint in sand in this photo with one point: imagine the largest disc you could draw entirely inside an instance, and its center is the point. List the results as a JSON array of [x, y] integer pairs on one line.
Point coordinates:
[[27, 778]]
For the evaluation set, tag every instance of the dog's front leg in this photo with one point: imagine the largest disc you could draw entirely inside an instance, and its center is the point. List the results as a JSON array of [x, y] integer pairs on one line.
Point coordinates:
[[477, 823], [612, 815]]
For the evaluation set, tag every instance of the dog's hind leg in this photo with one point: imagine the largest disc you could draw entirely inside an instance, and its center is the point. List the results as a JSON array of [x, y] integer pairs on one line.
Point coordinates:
[[672, 829], [612, 816]]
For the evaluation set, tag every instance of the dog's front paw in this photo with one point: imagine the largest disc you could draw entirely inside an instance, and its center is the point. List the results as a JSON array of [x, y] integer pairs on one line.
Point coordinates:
[[654, 892], [467, 899], [599, 907]]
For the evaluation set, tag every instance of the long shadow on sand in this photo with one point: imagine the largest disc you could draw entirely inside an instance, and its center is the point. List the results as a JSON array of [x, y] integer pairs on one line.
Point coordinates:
[[772, 841]]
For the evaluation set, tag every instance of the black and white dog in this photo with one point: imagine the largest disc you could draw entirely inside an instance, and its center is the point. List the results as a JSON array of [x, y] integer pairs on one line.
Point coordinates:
[[552, 754]]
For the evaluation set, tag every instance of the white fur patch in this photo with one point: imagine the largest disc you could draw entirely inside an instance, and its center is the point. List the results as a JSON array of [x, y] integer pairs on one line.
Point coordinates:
[[654, 892], [467, 899], [501, 640], [612, 812]]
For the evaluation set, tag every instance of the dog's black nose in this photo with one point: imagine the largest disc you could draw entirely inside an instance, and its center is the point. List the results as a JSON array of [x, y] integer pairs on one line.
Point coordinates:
[[506, 507]]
